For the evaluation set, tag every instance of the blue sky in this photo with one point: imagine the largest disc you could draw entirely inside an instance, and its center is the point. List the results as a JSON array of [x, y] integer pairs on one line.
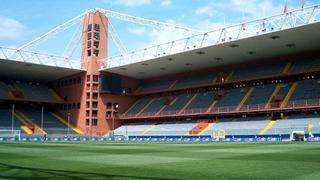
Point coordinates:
[[23, 20]]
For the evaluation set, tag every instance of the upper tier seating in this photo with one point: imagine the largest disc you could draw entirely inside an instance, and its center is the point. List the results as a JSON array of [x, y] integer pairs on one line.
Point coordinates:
[[139, 105], [232, 97], [230, 100], [202, 101], [4, 91], [284, 89], [158, 85], [308, 64], [28, 92], [40, 92], [195, 80], [260, 94], [178, 104], [155, 105], [307, 89], [258, 71]]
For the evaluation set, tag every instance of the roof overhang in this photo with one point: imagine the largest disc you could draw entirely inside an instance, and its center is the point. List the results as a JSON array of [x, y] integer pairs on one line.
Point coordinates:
[[31, 71]]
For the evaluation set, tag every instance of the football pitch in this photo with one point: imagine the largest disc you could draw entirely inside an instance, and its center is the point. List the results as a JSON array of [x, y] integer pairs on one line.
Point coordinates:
[[56, 160]]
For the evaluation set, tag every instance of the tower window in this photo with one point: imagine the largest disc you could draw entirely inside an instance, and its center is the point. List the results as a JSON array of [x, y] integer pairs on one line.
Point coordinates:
[[89, 28], [95, 113], [94, 122], [97, 27], [89, 44], [89, 36], [95, 104], [95, 78], [96, 36], [95, 96], [89, 52], [95, 52], [96, 44]]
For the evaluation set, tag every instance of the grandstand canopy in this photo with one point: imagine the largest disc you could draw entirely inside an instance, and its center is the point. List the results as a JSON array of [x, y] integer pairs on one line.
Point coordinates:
[[35, 72], [294, 40]]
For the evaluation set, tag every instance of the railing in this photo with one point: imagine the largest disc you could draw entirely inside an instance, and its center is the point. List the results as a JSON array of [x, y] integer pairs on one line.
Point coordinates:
[[257, 27], [38, 58], [297, 104]]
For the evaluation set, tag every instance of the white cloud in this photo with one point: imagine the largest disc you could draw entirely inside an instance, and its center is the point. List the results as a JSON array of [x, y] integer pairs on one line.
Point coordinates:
[[137, 30], [129, 3], [248, 9], [166, 2], [208, 10], [10, 29]]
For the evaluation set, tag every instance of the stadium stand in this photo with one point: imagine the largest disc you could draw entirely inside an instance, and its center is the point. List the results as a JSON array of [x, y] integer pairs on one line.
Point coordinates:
[[244, 83]]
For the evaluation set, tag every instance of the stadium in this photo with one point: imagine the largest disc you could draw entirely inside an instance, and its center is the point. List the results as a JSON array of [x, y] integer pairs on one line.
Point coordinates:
[[241, 101]]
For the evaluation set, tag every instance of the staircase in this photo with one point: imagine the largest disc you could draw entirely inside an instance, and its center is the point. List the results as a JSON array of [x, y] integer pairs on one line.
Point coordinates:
[[200, 128], [267, 127]]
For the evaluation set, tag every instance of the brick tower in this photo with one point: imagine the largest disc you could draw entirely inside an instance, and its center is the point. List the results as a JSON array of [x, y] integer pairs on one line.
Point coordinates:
[[92, 112]]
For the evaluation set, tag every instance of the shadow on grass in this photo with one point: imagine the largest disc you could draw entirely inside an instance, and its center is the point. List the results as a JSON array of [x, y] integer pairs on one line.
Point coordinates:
[[21, 172]]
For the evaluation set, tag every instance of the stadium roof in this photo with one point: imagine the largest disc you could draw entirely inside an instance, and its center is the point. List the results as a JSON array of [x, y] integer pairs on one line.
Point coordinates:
[[278, 35], [35, 72], [294, 40]]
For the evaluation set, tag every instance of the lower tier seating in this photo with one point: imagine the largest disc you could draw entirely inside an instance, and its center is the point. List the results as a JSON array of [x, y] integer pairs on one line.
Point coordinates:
[[6, 121], [243, 127], [287, 126], [51, 125], [30, 116]]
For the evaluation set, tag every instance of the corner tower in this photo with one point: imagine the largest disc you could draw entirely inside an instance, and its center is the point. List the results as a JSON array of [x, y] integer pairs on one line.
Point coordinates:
[[94, 48]]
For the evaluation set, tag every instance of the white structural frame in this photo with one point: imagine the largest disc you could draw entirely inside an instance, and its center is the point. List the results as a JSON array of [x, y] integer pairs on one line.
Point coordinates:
[[25, 54], [108, 13], [292, 19], [38, 58]]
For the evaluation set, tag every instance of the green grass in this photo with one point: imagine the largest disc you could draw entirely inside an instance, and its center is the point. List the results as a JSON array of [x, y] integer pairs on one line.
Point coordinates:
[[54, 160]]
